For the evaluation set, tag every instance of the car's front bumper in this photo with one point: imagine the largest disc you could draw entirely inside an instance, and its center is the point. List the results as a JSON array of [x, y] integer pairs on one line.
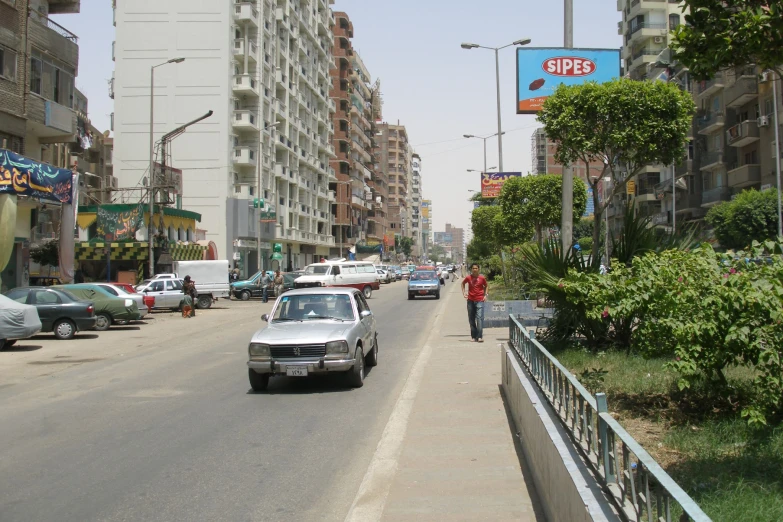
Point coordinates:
[[321, 365]]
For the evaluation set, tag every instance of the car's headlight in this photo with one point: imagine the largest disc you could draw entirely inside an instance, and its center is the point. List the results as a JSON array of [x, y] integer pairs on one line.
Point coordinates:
[[128, 303], [337, 347], [258, 350]]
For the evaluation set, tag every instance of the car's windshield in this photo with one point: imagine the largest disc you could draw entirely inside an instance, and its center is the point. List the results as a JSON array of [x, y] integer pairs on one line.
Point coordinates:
[[317, 270], [314, 306], [424, 276]]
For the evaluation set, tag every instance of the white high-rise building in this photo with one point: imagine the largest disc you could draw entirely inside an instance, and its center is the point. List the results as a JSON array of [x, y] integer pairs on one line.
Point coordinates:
[[263, 68], [415, 206]]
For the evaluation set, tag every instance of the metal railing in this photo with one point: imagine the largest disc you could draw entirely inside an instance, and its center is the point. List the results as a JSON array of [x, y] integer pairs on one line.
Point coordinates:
[[54, 26], [638, 486]]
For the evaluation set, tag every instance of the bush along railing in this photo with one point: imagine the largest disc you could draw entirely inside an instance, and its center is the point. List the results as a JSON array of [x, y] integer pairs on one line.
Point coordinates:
[[639, 487]]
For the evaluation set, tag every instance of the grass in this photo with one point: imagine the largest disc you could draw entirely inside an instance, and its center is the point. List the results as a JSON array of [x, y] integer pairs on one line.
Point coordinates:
[[733, 472]]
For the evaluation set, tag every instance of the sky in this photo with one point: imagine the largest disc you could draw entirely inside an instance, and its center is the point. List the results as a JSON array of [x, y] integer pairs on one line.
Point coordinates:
[[438, 90]]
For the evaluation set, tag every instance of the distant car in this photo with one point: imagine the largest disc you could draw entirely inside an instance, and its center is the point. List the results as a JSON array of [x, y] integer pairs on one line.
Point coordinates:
[[423, 283], [383, 275], [167, 292], [17, 321], [60, 312], [121, 292], [166, 276], [44, 281], [398, 272], [109, 309], [315, 330]]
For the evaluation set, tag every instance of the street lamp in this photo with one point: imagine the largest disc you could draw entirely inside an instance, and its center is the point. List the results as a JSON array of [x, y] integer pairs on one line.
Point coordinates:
[[485, 170], [469, 46], [484, 139], [152, 158]]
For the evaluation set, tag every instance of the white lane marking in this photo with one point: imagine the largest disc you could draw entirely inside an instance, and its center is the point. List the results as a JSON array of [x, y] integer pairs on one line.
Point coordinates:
[[370, 500]]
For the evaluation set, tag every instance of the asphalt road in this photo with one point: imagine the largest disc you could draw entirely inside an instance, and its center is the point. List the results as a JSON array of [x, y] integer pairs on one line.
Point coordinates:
[[157, 422]]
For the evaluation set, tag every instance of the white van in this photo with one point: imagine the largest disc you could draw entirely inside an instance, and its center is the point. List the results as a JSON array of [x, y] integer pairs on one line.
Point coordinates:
[[356, 274], [211, 278]]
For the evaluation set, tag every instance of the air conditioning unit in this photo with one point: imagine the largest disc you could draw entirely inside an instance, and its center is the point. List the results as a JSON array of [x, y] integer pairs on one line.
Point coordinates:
[[763, 121], [765, 76], [659, 39], [113, 182]]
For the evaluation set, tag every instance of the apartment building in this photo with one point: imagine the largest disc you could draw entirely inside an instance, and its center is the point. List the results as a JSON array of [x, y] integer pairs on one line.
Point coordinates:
[[354, 140], [543, 154], [400, 179], [39, 61], [263, 68], [427, 228], [415, 206], [453, 242]]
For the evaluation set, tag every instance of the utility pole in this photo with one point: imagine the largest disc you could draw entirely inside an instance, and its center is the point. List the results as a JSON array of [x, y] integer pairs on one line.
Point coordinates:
[[567, 224]]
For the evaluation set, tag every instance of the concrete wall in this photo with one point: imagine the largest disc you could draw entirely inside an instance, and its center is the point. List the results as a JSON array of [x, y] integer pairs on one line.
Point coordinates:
[[565, 485]]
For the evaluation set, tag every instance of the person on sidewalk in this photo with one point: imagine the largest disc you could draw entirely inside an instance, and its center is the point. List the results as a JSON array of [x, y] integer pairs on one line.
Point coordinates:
[[266, 282], [476, 296]]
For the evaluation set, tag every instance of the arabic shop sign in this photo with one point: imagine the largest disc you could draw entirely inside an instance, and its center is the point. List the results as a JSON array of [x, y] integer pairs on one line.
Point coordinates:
[[25, 177], [119, 226], [268, 216]]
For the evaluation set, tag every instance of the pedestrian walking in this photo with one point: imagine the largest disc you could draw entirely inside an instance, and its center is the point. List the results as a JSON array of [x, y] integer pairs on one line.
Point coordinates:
[[476, 296], [266, 282], [279, 283], [189, 301]]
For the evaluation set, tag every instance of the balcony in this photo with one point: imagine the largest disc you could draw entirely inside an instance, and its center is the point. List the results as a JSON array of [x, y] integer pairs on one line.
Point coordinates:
[[744, 90], [54, 39], [743, 134], [64, 6], [686, 167], [712, 160], [644, 6], [647, 30], [245, 157], [714, 196], [745, 176], [246, 12], [50, 121], [710, 123], [710, 87], [245, 120], [644, 56], [240, 51], [245, 84]]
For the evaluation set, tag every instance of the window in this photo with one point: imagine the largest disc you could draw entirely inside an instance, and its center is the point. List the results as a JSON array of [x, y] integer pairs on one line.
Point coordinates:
[[674, 21], [157, 286], [350, 269], [7, 64], [111, 290], [361, 304], [170, 285], [18, 294], [46, 297], [751, 158], [51, 79]]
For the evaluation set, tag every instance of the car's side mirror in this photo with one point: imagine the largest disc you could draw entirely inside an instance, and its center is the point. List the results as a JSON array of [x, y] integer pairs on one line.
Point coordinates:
[[365, 313], [265, 318]]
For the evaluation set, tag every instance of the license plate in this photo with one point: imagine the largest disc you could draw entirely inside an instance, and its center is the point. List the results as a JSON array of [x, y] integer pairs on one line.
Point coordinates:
[[422, 292], [296, 371]]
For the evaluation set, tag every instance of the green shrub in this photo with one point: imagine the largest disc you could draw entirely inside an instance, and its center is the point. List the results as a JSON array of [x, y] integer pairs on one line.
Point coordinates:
[[586, 243]]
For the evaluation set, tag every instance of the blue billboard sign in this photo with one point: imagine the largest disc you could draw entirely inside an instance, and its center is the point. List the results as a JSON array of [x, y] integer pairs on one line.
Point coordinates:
[[540, 70]]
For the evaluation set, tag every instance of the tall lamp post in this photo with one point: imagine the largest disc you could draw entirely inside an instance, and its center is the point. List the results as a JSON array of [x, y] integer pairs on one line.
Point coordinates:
[[484, 139], [469, 46], [152, 159]]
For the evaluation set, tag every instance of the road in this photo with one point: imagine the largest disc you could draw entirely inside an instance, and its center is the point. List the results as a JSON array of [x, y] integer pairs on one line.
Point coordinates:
[[157, 422]]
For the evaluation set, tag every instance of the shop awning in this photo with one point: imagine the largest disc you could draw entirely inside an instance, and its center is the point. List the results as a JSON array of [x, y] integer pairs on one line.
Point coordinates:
[[118, 251]]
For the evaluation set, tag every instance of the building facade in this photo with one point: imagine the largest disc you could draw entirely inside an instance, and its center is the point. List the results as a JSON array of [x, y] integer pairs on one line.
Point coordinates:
[[426, 225], [453, 242], [543, 154], [39, 61], [415, 206], [257, 170]]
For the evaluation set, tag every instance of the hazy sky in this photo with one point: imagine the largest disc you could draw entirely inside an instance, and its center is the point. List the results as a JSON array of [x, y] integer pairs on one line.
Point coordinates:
[[431, 85]]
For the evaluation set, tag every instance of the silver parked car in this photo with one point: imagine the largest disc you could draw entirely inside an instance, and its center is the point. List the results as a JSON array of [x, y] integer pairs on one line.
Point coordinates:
[[167, 292], [315, 330]]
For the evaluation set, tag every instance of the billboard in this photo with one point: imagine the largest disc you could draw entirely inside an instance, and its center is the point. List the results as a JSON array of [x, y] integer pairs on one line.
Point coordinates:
[[492, 182], [540, 70]]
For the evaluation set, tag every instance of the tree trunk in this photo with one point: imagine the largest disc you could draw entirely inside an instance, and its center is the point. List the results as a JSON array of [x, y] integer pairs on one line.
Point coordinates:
[[540, 234], [596, 223]]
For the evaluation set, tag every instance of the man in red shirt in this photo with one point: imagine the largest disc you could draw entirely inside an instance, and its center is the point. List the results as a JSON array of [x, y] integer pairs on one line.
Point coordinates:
[[476, 295]]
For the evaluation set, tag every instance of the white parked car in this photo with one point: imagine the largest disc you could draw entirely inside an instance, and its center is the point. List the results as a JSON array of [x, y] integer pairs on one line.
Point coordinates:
[[167, 292], [384, 276], [121, 292]]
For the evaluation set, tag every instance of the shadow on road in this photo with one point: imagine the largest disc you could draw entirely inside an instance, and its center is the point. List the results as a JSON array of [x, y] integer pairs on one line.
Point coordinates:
[[318, 383], [78, 337], [124, 328], [21, 348]]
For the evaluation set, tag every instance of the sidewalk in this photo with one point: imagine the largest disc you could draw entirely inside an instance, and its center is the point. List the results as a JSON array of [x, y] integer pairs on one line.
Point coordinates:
[[455, 458]]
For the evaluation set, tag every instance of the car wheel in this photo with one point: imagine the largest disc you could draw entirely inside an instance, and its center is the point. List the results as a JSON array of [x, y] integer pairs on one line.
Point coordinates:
[[437, 296], [410, 296], [204, 302], [258, 381], [64, 329], [245, 296], [372, 357], [367, 291], [103, 322], [356, 374]]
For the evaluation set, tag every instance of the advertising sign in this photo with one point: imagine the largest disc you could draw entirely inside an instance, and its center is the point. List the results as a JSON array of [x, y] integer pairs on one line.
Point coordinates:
[[541, 70], [590, 208], [119, 225], [268, 216], [492, 182], [25, 177]]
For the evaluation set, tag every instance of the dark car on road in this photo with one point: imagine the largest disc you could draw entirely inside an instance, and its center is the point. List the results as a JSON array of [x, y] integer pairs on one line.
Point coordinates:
[[60, 311], [252, 287]]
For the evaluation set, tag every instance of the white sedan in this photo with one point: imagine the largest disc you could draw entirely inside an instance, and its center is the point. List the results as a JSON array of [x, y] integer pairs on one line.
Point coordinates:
[[121, 292]]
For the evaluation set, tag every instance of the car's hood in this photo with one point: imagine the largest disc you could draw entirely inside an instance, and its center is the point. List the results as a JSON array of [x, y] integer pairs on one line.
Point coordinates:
[[309, 332], [242, 284]]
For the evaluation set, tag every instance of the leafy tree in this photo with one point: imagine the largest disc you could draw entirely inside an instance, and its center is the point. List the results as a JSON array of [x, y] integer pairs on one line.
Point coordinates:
[[535, 202], [751, 216], [476, 198], [623, 123], [484, 222], [437, 253], [720, 34], [403, 244], [46, 254]]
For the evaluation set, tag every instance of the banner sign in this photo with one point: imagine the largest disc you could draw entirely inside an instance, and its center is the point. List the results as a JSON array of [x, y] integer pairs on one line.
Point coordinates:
[[268, 216], [25, 177], [590, 207], [492, 182], [541, 70], [119, 225]]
